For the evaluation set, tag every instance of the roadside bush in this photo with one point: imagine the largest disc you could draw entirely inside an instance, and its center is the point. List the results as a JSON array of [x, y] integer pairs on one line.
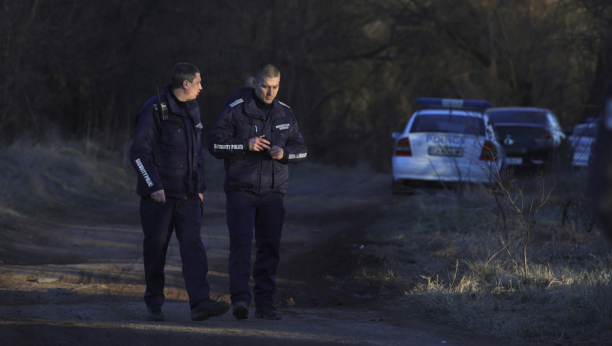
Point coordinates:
[[540, 274]]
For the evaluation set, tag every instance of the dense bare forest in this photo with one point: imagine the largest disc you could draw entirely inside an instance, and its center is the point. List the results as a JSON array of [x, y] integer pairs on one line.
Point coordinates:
[[350, 69]]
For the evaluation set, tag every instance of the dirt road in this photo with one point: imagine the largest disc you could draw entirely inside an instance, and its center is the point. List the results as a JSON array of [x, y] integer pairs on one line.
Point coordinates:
[[97, 299]]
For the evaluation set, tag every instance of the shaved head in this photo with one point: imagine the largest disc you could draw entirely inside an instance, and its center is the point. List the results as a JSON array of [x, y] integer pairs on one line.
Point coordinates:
[[266, 70]]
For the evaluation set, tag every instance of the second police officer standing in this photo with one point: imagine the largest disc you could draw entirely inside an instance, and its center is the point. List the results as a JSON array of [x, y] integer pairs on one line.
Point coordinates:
[[257, 136]]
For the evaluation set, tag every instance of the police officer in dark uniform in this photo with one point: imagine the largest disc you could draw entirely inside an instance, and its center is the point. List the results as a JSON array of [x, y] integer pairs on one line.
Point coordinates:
[[257, 136], [167, 157], [600, 171]]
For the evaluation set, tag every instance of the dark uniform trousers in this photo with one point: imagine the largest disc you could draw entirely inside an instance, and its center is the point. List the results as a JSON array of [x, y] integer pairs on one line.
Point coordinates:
[[265, 214], [158, 222]]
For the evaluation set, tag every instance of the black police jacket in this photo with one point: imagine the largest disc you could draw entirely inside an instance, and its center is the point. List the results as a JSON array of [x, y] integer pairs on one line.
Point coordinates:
[[256, 171], [168, 154]]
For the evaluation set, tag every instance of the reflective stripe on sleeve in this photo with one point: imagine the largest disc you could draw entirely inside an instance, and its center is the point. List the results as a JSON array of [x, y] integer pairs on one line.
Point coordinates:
[[297, 156], [237, 102], [145, 175]]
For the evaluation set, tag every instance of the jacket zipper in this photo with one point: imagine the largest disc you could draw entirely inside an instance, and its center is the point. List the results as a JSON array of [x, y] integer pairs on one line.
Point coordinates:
[[260, 166], [259, 187]]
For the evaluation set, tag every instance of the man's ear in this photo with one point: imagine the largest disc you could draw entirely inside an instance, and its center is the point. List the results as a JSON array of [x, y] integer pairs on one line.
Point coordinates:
[[185, 84], [254, 82]]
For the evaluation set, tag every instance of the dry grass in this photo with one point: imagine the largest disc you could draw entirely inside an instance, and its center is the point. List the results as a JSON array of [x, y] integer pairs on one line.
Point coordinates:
[[446, 257], [50, 180]]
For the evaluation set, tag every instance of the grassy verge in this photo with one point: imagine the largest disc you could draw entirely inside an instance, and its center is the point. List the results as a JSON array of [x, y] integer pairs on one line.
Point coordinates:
[[43, 181], [449, 256]]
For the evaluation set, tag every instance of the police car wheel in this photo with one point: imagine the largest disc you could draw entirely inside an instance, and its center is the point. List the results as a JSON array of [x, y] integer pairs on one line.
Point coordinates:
[[395, 187]]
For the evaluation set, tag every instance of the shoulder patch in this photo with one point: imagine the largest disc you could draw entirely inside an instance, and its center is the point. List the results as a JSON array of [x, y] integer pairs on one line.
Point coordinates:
[[237, 102], [284, 104]]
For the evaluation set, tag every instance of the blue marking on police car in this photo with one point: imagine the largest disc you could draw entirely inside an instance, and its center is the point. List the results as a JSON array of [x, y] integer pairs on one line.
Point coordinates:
[[445, 140], [457, 103]]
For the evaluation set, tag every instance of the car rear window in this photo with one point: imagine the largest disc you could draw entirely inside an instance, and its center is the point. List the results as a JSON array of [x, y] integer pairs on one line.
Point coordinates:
[[584, 131], [517, 116], [520, 132], [448, 123]]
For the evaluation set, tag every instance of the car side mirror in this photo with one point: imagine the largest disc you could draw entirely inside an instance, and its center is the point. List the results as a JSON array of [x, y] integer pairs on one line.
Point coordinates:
[[397, 135]]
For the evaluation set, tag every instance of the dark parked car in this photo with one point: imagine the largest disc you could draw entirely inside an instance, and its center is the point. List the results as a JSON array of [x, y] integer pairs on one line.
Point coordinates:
[[530, 136]]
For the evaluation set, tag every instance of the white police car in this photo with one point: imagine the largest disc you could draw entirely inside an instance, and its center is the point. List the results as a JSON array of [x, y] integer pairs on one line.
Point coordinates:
[[582, 138], [452, 142]]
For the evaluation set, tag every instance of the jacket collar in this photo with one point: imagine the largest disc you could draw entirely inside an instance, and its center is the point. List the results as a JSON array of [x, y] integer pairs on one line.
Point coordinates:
[[250, 108], [174, 108]]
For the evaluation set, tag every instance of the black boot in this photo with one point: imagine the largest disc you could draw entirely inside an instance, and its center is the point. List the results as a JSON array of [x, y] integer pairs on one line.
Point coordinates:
[[268, 312], [154, 313], [208, 308], [241, 310]]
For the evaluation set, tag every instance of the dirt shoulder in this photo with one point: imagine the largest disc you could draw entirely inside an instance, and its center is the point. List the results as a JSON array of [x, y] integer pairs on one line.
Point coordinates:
[[95, 255]]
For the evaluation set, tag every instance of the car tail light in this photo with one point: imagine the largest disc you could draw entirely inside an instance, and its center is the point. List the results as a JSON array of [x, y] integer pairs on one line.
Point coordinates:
[[489, 151], [403, 147], [545, 139]]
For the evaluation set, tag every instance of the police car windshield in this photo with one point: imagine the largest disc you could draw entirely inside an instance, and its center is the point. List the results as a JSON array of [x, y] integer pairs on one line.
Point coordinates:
[[584, 131], [448, 123], [517, 116]]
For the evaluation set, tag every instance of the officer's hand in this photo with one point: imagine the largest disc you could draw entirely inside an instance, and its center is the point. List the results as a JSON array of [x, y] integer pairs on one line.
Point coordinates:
[[258, 144], [159, 196], [201, 197], [276, 152]]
